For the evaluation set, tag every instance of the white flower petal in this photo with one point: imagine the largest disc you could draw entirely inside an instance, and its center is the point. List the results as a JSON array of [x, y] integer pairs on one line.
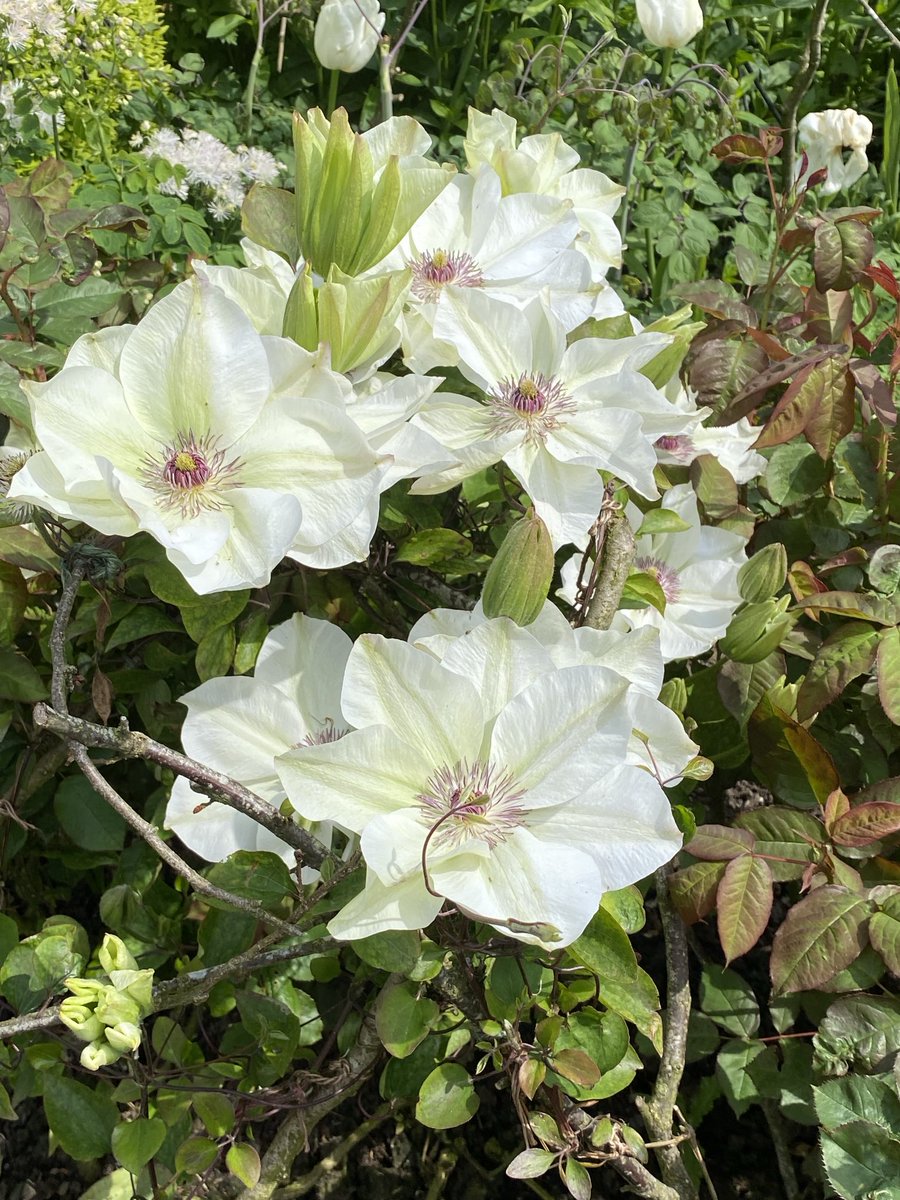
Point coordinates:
[[305, 659], [501, 659], [377, 908], [217, 830]]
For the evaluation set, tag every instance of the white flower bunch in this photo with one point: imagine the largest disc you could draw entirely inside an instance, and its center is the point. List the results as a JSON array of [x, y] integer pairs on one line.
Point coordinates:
[[825, 136], [210, 164], [8, 93]]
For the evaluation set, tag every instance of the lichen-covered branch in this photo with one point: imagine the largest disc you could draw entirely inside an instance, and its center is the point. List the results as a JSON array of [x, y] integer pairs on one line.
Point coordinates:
[[641, 1182], [809, 64], [658, 1112], [617, 557], [348, 1076]]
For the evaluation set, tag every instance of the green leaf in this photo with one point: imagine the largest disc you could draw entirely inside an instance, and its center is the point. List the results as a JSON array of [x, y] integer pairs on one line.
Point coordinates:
[[255, 875], [889, 673], [858, 1098], [395, 951], [430, 547], [221, 27], [576, 1065], [884, 933], [7, 1112], [22, 548], [118, 1185], [842, 252], [195, 1155], [784, 833], [661, 520], [216, 1112], [578, 1182], [821, 935], [13, 602], [276, 1031], [447, 1098], [627, 906], [90, 298], [86, 818], [743, 904], [842, 657], [637, 1002], [81, 1119], [19, 680], [787, 757], [795, 474], [858, 1031], [604, 948], [642, 588], [135, 1142], [890, 163], [531, 1164], [267, 218], [216, 611], [729, 1001], [215, 653], [763, 576], [862, 1161], [403, 1019], [36, 968], [748, 1073], [143, 621], [243, 1162]]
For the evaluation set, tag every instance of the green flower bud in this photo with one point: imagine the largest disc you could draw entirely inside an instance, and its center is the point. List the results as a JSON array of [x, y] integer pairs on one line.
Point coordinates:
[[115, 1008], [80, 1018], [114, 955], [762, 578], [757, 630], [98, 1054], [124, 1037], [517, 581], [136, 985]]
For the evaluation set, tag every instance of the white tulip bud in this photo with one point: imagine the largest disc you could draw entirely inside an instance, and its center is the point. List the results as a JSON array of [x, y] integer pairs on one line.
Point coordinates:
[[347, 32], [670, 23]]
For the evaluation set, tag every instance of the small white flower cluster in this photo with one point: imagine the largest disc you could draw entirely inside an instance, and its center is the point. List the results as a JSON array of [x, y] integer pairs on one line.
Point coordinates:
[[210, 164], [24, 19]]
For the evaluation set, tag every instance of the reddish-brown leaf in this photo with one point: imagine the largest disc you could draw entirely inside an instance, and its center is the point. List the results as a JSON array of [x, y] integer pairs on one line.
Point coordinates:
[[718, 843], [866, 823], [693, 890], [842, 252], [875, 390], [844, 655], [883, 275], [743, 904], [740, 148], [818, 404], [884, 932], [821, 935], [746, 399]]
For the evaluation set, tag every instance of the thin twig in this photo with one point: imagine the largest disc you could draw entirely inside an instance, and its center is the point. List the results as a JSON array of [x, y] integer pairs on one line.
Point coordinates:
[[775, 1121], [809, 64], [123, 743], [881, 25]]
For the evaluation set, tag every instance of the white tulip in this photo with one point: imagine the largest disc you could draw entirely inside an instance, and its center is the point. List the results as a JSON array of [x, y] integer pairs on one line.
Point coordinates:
[[347, 32], [825, 135], [670, 23]]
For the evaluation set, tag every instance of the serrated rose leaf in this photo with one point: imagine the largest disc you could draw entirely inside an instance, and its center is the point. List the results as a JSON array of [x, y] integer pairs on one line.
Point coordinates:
[[842, 253], [821, 935], [744, 904], [693, 890], [530, 1164], [818, 404], [866, 823], [889, 673], [717, 843], [784, 834], [846, 654]]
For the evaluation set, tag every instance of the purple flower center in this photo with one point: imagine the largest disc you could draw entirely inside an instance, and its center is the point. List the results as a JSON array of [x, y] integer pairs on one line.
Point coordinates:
[[190, 474], [474, 800], [434, 269], [186, 469], [677, 446], [533, 404]]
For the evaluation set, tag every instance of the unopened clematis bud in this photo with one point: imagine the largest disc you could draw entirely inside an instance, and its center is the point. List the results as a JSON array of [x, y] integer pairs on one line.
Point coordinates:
[[518, 579], [356, 318], [98, 1054], [347, 32], [670, 23], [124, 1037], [115, 1008], [80, 1018], [825, 135], [114, 955], [357, 195]]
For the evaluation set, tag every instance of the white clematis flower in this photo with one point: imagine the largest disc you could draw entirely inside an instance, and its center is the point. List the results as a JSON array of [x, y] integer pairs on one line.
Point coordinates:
[[670, 23], [732, 444], [261, 288], [227, 447], [239, 725], [826, 135], [697, 569], [543, 163], [555, 415], [346, 34], [514, 803], [513, 248], [658, 742]]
